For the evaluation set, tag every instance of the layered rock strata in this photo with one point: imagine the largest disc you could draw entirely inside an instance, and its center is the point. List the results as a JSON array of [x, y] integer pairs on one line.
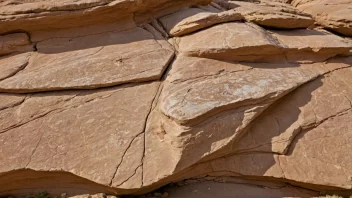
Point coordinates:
[[151, 93]]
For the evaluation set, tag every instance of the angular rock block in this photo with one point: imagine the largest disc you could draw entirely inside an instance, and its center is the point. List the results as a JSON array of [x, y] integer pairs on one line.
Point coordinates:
[[333, 15], [92, 61], [190, 20], [270, 14], [13, 43]]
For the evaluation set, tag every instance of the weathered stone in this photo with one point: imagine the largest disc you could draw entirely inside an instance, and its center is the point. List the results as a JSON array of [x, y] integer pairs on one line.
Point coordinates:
[[190, 20], [87, 133], [239, 42], [94, 61], [334, 15], [209, 112], [312, 45], [12, 64], [11, 43], [270, 14], [40, 14]]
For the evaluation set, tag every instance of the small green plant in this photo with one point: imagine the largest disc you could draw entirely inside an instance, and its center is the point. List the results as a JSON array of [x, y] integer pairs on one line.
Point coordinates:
[[30, 196], [42, 194]]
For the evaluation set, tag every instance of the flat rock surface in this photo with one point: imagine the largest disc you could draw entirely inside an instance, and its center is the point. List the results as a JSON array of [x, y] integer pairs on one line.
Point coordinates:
[[240, 42], [270, 14], [100, 60], [190, 20], [333, 15], [312, 45], [41, 14], [92, 134]]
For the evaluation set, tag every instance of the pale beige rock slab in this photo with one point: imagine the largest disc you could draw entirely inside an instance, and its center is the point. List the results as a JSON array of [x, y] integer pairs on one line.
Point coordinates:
[[190, 20], [43, 15], [239, 42], [308, 106], [270, 14], [92, 61], [312, 45], [199, 116], [12, 43], [334, 15], [88, 133]]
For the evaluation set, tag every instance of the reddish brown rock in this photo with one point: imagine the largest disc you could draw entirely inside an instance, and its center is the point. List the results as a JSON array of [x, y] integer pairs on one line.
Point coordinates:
[[333, 15], [12, 64], [12, 43]]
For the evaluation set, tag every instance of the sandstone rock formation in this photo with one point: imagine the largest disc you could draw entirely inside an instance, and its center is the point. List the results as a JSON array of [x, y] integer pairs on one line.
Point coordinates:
[[123, 97], [333, 15]]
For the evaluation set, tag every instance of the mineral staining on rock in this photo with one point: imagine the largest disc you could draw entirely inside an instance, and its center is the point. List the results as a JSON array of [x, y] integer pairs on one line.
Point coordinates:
[[124, 97]]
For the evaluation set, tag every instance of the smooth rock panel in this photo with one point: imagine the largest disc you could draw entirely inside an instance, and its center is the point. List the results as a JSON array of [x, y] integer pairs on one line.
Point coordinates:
[[232, 41], [312, 45], [333, 15], [190, 20], [90, 134], [92, 61], [270, 14]]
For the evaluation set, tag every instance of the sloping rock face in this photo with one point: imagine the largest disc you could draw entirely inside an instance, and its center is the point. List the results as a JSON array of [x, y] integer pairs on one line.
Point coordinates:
[[333, 15], [123, 97]]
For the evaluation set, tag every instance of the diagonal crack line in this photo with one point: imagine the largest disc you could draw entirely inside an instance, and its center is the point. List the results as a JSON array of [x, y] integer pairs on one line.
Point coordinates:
[[35, 149], [123, 156], [135, 172]]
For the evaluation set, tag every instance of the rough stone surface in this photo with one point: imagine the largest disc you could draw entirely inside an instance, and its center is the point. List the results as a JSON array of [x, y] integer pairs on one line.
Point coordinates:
[[123, 97], [239, 42], [193, 19], [99, 60], [333, 15], [270, 14], [12, 43]]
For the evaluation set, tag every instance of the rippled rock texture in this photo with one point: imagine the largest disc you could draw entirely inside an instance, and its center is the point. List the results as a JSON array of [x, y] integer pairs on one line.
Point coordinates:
[[124, 97]]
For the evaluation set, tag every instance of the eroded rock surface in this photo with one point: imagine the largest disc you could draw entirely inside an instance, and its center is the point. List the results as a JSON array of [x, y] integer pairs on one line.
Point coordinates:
[[333, 15], [270, 14], [123, 97]]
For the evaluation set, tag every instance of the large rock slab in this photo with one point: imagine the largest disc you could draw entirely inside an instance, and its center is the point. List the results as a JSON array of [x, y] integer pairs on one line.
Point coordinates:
[[12, 43], [92, 61], [190, 20], [240, 42], [312, 45], [270, 14], [206, 104], [309, 133], [96, 135], [333, 15], [40, 14]]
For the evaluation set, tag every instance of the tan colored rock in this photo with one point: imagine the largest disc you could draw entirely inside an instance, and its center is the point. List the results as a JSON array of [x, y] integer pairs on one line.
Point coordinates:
[[101, 60], [190, 20], [202, 114], [270, 14], [239, 42], [312, 45], [12, 43], [12, 64], [40, 14], [90, 134], [333, 15]]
